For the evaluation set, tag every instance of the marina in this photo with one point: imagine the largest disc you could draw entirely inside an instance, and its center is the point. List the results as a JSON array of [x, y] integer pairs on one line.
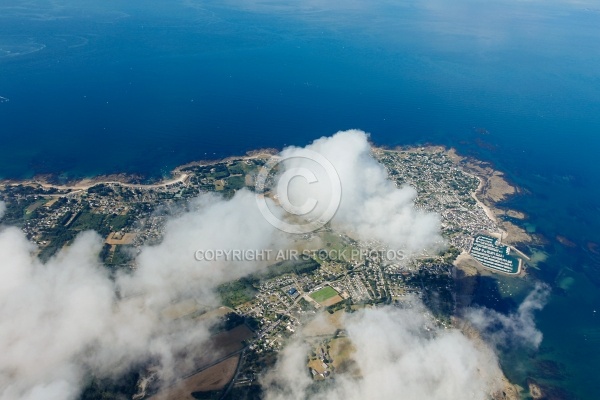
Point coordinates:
[[491, 253]]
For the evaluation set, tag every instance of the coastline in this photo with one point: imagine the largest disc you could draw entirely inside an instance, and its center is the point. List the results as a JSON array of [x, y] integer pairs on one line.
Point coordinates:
[[493, 187], [177, 175], [87, 183], [509, 390], [488, 211]]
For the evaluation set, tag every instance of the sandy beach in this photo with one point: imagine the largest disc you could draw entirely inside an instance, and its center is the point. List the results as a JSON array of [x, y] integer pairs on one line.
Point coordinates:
[[178, 176], [87, 183]]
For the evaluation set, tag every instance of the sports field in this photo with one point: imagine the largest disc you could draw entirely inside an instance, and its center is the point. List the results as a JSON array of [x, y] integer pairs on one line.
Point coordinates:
[[323, 294]]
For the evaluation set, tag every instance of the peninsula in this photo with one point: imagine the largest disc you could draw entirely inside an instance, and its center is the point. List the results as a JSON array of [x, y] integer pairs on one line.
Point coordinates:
[[262, 312]]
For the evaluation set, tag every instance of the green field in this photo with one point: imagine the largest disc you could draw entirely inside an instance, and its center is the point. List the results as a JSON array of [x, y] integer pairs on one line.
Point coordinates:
[[323, 294]]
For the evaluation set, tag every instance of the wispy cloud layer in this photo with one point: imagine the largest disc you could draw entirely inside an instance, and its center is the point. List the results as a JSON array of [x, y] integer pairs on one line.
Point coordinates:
[[67, 318], [400, 355], [517, 328]]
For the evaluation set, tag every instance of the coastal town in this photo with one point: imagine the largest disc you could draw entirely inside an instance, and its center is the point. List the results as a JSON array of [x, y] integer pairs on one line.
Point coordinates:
[[261, 312]]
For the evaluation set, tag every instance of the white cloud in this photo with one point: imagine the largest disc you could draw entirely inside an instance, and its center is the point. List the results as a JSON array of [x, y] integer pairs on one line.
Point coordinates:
[[516, 328], [398, 358], [170, 268], [371, 207], [2, 209], [65, 318], [50, 314]]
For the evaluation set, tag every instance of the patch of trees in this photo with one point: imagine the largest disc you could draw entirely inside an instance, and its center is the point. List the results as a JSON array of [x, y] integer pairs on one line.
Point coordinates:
[[237, 292], [299, 267], [58, 238], [101, 189]]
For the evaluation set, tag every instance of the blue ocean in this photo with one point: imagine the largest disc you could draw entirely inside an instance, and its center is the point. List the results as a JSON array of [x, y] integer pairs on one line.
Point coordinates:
[[140, 87]]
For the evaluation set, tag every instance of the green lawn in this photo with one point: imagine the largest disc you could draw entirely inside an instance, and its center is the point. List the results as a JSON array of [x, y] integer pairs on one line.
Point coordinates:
[[323, 294]]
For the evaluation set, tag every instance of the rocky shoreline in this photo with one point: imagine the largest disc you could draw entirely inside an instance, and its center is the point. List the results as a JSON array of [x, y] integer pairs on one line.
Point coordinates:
[[493, 189]]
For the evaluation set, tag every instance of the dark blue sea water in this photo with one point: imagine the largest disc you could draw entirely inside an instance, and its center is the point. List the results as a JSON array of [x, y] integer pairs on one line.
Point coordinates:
[[143, 86]]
